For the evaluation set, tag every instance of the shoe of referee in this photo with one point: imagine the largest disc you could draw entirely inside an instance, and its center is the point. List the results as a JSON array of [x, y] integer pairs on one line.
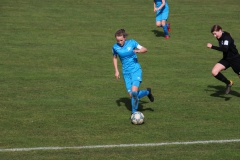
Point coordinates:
[[229, 86]]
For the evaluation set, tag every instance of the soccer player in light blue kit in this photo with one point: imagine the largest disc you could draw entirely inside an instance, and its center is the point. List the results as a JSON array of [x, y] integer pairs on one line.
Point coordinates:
[[162, 11], [127, 51]]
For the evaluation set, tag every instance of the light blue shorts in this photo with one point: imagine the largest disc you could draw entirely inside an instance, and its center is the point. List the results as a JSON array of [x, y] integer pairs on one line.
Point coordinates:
[[133, 79], [162, 15]]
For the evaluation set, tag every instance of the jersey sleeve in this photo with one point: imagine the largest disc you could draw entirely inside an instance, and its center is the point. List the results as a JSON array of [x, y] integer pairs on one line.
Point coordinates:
[[217, 48], [114, 53], [136, 44]]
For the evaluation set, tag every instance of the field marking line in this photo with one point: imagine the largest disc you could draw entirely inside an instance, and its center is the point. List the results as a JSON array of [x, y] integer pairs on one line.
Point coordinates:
[[120, 145]]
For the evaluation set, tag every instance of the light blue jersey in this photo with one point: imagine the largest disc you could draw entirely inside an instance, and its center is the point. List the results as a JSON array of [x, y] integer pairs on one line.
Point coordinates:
[[163, 13], [159, 3], [127, 57]]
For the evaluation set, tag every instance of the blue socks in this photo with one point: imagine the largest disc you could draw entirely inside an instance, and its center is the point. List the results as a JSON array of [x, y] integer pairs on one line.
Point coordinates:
[[135, 98], [165, 29], [142, 93], [134, 101]]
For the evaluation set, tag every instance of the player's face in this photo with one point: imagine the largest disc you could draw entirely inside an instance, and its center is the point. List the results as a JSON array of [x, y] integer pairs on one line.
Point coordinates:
[[217, 34], [120, 40]]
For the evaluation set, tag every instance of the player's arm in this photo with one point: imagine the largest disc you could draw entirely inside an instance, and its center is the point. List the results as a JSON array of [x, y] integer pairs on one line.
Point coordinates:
[[224, 47], [115, 64], [162, 5], [154, 6], [140, 49]]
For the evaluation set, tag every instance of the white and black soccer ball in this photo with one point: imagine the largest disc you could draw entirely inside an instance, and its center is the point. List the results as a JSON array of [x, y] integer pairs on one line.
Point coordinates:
[[137, 118]]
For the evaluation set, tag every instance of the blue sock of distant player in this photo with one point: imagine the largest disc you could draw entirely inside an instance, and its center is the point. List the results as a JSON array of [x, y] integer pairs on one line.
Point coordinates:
[[142, 93], [165, 29], [166, 24], [134, 101]]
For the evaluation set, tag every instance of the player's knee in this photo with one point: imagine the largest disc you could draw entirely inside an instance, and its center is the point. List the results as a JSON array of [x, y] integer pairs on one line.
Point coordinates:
[[135, 85], [215, 72], [158, 24]]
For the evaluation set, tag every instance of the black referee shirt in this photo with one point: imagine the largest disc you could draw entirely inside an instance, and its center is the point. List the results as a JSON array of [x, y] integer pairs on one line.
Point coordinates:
[[227, 46]]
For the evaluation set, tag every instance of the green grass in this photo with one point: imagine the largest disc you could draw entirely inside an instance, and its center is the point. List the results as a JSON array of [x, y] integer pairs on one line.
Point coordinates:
[[58, 87]]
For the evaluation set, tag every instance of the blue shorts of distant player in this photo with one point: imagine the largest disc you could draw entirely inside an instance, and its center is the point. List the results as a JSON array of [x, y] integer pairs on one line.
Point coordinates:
[[162, 14]]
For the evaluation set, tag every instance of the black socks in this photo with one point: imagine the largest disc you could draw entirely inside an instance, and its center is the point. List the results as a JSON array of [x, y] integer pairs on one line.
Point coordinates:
[[222, 78]]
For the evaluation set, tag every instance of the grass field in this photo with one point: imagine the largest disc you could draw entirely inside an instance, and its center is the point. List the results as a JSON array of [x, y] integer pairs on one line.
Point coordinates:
[[58, 87]]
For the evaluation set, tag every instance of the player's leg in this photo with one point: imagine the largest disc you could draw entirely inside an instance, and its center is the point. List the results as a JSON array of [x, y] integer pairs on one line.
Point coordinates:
[[136, 81], [135, 99], [158, 24], [132, 83], [142, 93], [128, 83], [147, 92], [165, 29], [164, 24], [133, 93], [166, 18], [137, 77], [158, 19], [216, 72]]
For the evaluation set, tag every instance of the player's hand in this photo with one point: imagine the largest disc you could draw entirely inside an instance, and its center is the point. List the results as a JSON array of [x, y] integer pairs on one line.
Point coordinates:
[[209, 45], [117, 75], [135, 51]]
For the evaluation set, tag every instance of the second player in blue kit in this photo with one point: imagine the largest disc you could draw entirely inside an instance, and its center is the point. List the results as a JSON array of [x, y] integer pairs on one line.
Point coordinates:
[[161, 8]]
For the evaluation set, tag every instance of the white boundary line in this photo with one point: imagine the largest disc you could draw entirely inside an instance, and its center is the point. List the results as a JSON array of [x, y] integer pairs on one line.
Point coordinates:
[[120, 145]]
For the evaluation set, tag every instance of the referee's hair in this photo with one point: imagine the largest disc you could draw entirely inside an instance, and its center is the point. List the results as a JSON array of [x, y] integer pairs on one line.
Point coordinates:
[[216, 27], [121, 32]]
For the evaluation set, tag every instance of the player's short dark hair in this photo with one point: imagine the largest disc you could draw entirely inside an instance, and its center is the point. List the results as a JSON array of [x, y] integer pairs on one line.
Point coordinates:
[[216, 27], [121, 32]]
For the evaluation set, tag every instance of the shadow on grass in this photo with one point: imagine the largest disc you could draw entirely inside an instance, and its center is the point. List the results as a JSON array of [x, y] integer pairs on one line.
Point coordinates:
[[158, 33], [127, 102], [219, 91]]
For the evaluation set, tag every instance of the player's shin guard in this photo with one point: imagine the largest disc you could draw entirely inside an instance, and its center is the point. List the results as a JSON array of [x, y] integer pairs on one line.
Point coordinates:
[[142, 93], [134, 101]]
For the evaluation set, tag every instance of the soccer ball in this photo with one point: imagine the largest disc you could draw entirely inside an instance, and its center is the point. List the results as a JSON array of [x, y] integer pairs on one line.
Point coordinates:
[[137, 118]]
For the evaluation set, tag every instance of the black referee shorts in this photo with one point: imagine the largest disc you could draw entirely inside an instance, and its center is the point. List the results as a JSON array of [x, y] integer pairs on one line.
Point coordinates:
[[233, 62]]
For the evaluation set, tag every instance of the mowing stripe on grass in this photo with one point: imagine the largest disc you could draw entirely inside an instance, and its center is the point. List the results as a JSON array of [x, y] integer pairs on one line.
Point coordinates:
[[120, 145]]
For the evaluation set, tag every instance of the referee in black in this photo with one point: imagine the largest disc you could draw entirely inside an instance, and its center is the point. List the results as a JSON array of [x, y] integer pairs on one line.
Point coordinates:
[[231, 57]]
